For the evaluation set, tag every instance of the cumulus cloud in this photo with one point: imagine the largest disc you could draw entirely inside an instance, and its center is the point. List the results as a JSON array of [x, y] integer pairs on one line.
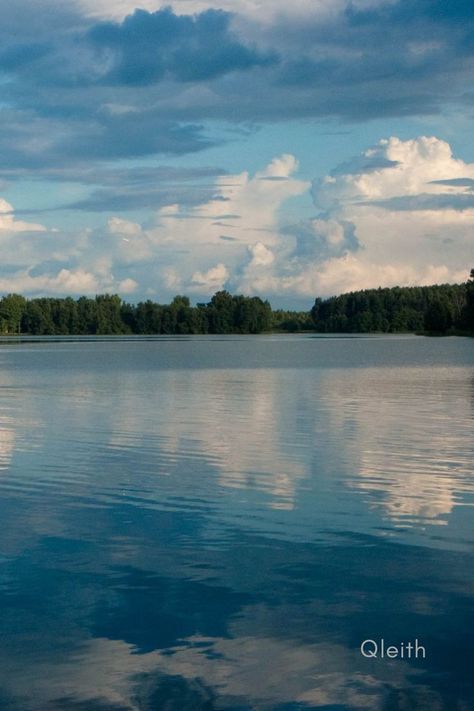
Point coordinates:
[[365, 233], [66, 281], [401, 213], [368, 233], [190, 242], [119, 226], [322, 237], [39, 261], [10, 224], [181, 249], [396, 168], [212, 280], [407, 217], [261, 255]]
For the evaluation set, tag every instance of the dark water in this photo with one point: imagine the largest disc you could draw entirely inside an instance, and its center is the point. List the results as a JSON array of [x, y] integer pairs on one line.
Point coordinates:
[[219, 523]]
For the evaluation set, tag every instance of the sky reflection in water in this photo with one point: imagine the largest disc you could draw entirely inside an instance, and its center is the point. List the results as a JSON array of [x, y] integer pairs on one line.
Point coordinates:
[[180, 535]]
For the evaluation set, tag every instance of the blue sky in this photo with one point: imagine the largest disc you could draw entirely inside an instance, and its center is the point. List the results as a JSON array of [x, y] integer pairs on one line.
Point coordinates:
[[289, 150]]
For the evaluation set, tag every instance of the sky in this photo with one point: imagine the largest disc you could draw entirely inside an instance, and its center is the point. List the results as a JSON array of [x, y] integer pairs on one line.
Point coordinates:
[[289, 150]]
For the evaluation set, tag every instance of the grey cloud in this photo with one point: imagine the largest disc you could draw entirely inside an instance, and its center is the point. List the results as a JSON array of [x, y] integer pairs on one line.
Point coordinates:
[[20, 55], [128, 189], [404, 11], [364, 164], [91, 91], [135, 188], [103, 200], [455, 182], [148, 46], [313, 243], [119, 177], [33, 142], [425, 201], [275, 178]]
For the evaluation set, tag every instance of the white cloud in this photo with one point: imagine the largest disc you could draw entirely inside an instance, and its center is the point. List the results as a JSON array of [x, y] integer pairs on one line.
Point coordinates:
[[8, 221], [353, 272], [252, 9], [66, 281], [212, 280], [127, 286], [124, 227], [261, 255], [239, 223], [396, 168], [391, 216], [171, 278]]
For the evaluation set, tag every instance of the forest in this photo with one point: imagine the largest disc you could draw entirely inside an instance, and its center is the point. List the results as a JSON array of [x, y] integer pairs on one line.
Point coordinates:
[[438, 309], [107, 314]]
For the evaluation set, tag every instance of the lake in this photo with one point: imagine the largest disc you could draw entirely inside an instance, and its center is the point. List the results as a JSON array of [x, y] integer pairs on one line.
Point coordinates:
[[206, 523]]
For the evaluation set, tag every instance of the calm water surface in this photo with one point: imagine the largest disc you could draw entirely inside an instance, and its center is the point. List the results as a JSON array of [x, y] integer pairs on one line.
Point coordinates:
[[214, 523]]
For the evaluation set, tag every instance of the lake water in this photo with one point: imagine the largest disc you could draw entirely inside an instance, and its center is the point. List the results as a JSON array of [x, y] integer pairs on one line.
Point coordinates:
[[205, 523]]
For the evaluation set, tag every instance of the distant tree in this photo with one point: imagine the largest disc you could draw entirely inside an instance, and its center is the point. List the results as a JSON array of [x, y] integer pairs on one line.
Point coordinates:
[[251, 314], [438, 317], [37, 318], [397, 309], [128, 317], [87, 316], [468, 314], [148, 318], [221, 313], [109, 319], [316, 311], [12, 308], [183, 315]]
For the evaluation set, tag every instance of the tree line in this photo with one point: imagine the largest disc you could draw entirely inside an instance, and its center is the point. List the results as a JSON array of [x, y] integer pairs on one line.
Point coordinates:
[[107, 314], [442, 309]]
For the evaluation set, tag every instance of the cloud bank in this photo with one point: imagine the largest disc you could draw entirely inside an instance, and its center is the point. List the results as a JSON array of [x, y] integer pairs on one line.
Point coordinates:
[[109, 85], [394, 215]]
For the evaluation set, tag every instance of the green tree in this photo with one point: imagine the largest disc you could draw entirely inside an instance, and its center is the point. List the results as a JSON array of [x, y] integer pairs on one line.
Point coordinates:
[[37, 318], [393, 310], [87, 316], [468, 313], [109, 320], [221, 313], [183, 315], [12, 308], [438, 317]]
